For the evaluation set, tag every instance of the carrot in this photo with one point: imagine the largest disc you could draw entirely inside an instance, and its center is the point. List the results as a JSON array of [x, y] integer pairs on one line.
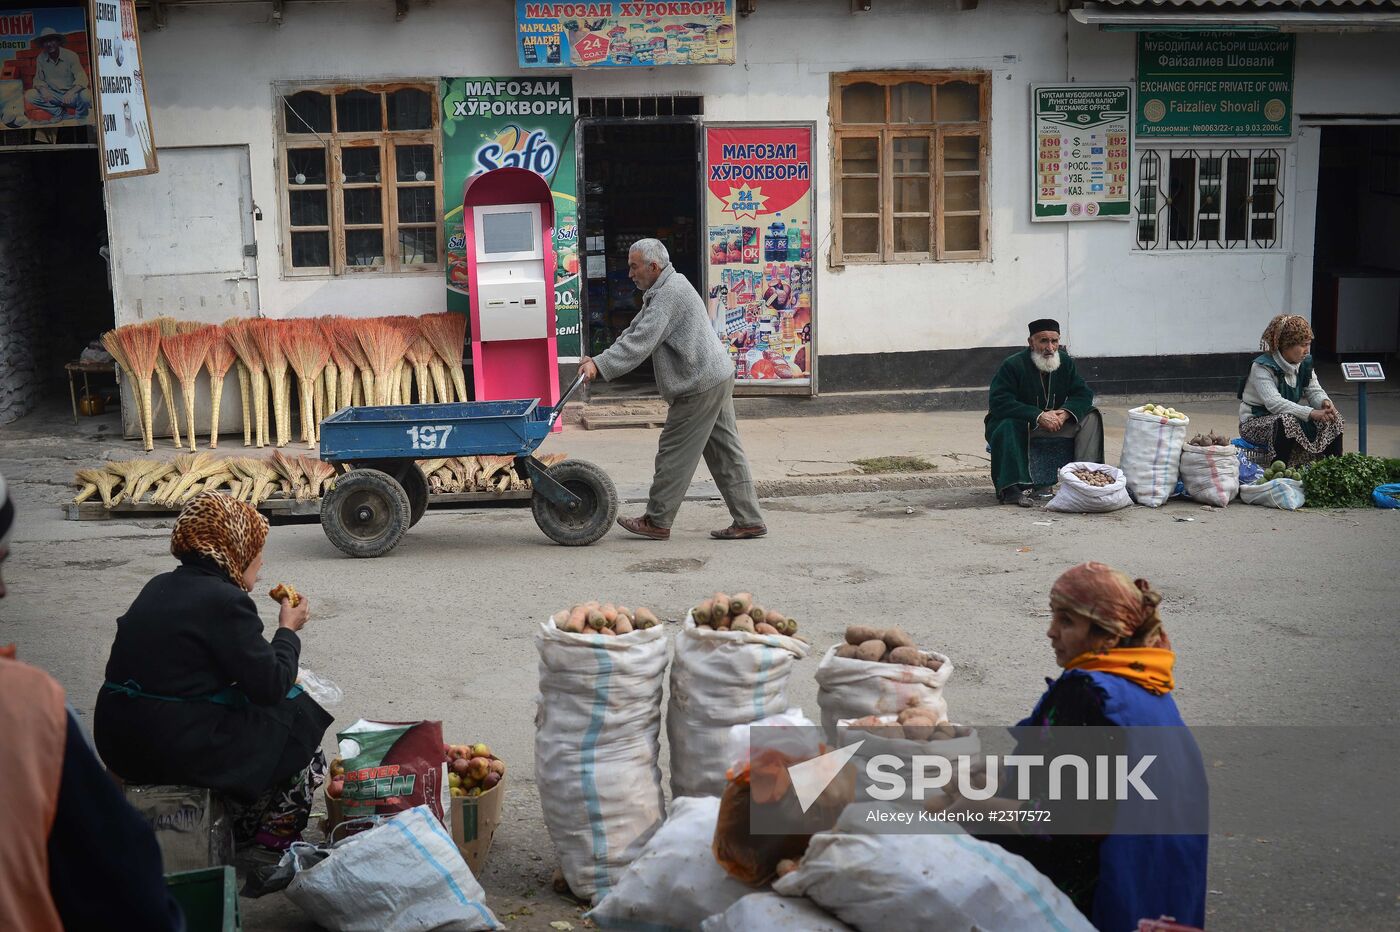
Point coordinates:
[[741, 603]]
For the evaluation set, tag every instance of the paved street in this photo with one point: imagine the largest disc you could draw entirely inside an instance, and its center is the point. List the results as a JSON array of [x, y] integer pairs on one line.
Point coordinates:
[[1278, 618]]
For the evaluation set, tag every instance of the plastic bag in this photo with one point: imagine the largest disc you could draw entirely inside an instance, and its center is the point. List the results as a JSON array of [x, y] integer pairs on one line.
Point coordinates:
[[392, 767], [1276, 493], [1151, 456], [1386, 496], [1249, 470], [674, 883], [597, 738], [760, 794], [720, 679], [769, 911], [848, 688], [403, 874], [1076, 495], [875, 740], [320, 688], [928, 883], [1211, 474]]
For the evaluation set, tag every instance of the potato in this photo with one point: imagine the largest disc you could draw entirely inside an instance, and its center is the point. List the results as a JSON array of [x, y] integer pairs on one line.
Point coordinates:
[[909, 656], [786, 866], [962, 731], [871, 650], [933, 663], [742, 623], [916, 712], [919, 729], [764, 627], [846, 651], [859, 634], [895, 637]]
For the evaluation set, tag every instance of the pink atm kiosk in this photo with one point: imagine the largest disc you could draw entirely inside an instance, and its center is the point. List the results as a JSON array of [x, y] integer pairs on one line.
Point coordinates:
[[508, 219]]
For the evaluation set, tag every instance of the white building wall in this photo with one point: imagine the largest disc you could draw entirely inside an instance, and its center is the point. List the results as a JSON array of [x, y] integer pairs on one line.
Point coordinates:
[[210, 75]]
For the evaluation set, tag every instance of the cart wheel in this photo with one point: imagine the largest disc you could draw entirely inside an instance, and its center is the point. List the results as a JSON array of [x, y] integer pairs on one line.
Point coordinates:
[[366, 514], [415, 486], [596, 512]]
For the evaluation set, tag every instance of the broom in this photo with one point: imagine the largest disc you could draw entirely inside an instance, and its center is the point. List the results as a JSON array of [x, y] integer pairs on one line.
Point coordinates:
[[447, 332], [293, 478], [317, 475], [96, 480], [420, 353], [130, 472], [148, 478], [186, 353], [307, 352], [333, 361], [113, 346], [340, 394], [140, 345], [263, 478], [402, 392], [220, 359], [347, 337], [250, 370], [267, 334], [384, 346], [169, 327]]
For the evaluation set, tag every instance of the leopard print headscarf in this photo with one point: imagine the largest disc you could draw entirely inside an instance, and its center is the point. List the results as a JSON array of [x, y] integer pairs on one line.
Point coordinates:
[[229, 532]]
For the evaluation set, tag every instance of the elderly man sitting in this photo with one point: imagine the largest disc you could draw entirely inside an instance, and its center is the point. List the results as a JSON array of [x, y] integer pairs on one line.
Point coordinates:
[[1038, 393]]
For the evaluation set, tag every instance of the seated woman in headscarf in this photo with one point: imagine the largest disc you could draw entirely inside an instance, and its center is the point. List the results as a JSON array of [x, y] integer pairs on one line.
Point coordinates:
[[1283, 409], [1107, 637], [195, 695]]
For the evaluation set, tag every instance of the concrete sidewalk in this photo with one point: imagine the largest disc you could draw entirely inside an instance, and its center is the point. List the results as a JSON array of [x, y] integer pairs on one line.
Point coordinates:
[[789, 455]]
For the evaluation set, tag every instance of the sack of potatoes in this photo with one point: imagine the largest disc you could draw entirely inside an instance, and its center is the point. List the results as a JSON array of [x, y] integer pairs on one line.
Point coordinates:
[[885, 645], [604, 619], [913, 724], [741, 612]]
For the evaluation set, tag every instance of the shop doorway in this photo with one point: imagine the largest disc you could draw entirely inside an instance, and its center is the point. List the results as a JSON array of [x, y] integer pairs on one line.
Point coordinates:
[[640, 179], [60, 302], [1356, 252]]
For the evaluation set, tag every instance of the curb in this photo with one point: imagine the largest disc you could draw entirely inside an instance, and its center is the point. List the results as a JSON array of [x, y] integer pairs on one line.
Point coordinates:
[[846, 485]]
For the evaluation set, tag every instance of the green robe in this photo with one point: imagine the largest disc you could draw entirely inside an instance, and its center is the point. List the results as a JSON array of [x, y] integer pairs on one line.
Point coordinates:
[[1020, 392]]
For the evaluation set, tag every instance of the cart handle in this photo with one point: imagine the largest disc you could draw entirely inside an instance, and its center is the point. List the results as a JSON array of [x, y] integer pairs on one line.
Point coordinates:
[[559, 405]]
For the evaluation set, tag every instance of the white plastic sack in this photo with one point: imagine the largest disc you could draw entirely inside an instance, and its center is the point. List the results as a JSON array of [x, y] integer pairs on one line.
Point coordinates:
[[848, 688], [1210, 474], [928, 883], [874, 743], [1076, 495], [404, 874], [768, 911], [720, 679], [790, 733], [1276, 493], [597, 732], [1151, 457], [675, 883]]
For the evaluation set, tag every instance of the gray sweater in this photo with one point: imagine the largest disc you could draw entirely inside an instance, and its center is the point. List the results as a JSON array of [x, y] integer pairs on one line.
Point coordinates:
[[674, 329], [1262, 390]]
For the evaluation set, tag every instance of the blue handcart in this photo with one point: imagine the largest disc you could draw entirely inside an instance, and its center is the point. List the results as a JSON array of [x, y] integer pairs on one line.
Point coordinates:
[[372, 506]]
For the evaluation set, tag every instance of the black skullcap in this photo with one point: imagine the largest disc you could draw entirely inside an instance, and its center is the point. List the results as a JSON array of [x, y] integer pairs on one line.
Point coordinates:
[[1045, 323]]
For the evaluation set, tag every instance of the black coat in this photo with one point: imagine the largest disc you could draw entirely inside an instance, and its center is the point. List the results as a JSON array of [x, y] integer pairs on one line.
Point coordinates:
[[190, 634]]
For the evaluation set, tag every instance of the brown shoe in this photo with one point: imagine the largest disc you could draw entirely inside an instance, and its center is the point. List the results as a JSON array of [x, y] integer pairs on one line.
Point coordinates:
[[643, 527], [735, 532]]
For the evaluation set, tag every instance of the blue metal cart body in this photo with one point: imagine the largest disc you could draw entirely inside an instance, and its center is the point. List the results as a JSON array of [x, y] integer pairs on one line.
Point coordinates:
[[415, 432]]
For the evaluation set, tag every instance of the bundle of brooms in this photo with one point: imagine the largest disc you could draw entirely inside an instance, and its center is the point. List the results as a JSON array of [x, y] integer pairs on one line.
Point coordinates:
[[255, 480], [337, 362]]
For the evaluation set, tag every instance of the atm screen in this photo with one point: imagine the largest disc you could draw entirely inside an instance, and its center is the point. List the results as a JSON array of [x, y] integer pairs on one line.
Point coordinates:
[[512, 232]]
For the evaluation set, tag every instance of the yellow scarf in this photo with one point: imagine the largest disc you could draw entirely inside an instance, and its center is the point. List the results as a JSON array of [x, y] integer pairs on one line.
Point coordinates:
[[1148, 667]]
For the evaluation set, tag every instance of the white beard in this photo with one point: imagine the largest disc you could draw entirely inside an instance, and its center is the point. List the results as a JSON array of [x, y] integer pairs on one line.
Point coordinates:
[[1046, 365]]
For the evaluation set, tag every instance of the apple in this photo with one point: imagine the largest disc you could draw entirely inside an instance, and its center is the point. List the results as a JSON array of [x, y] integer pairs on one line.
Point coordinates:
[[498, 767], [480, 750], [454, 781], [336, 788], [478, 768], [460, 766], [491, 780]]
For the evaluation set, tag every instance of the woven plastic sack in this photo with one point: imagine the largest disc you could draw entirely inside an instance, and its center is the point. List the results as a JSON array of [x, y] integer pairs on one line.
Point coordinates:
[[1151, 459], [1211, 474], [849, 688], [720, 679], [772, 913], [597, 736], [1277, 493], [1077, 496], [1386, 496]]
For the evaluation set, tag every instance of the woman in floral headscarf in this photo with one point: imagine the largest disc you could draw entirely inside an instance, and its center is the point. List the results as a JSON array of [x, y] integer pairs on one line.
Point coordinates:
[[1108, 638], [1283, 409], [195, 695]]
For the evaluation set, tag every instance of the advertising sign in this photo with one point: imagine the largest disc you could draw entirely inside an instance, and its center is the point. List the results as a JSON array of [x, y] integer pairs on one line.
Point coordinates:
[[1214, 84], [618, 34], [45, 77], [1081, 142], [128, 145], [760, 227], [526, 123]]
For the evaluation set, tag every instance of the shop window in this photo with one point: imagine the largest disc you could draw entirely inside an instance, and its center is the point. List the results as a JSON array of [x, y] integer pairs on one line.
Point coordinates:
[[361, 179], [1208, 199], [909, 159]]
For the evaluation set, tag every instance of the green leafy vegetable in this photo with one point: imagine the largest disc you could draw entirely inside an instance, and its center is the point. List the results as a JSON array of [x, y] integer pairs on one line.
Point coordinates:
[[1346, 481]]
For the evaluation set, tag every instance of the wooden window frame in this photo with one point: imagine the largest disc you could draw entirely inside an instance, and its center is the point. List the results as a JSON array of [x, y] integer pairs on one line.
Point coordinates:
[[936, 132], [335, 143]]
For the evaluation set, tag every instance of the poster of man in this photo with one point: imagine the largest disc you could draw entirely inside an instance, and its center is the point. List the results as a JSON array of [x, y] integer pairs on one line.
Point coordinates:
[[45, 78]]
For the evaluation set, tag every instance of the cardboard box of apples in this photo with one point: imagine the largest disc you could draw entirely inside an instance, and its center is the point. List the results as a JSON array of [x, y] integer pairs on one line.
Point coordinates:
[[475, 786]]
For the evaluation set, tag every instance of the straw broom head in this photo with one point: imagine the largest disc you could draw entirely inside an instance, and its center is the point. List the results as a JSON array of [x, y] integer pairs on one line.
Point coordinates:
[[188, 326], [409, 325], [221, 354], [305, 348], [347, 337], [341, 358], [114, 349], [240, 338], [186, 353], [383, 343], [169, 326], [140, 344], [420, 351], [447, 332], [267, 337]]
